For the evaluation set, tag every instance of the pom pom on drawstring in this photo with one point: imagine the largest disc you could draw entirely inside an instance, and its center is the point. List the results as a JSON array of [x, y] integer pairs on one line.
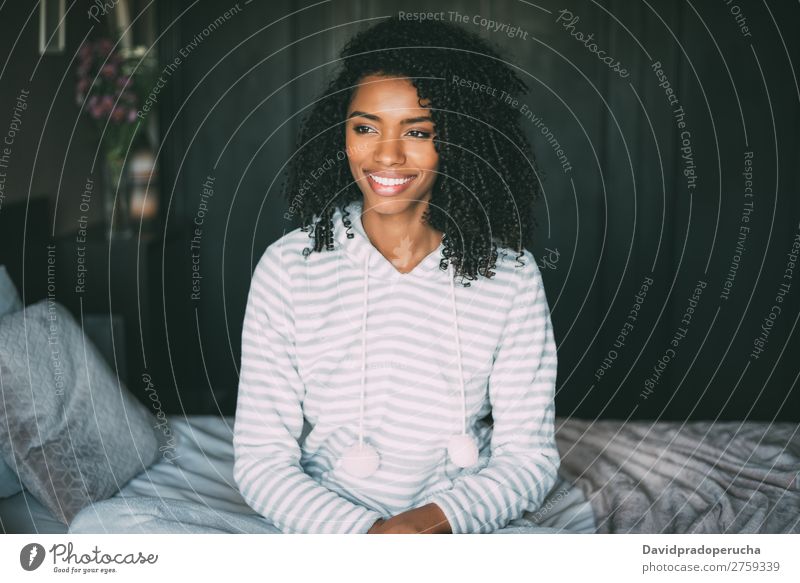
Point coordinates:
[[360, 461], [463, 451]]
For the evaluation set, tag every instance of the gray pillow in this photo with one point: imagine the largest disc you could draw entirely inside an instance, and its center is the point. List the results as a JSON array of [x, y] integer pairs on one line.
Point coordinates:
[[77, 434], [9, 298], [9, 482], [9, 302]]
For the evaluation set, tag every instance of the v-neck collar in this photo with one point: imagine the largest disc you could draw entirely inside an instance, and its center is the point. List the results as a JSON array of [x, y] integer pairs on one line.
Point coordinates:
[[360, 247]]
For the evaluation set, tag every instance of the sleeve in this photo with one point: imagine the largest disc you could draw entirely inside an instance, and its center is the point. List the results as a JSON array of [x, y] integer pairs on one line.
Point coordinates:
[[524, 458], [269, 419]]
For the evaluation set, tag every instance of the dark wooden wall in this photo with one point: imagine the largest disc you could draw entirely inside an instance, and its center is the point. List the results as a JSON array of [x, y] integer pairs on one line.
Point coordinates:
[[625, 212]]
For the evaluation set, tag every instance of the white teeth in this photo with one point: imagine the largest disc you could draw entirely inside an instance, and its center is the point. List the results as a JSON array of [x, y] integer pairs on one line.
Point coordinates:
[[390, 181]]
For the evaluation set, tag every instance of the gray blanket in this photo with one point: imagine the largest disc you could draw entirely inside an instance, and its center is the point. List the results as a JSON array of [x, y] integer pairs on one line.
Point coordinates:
[[692, 477]]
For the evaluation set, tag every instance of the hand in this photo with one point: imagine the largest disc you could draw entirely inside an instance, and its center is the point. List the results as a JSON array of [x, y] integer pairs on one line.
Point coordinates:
[[428, 519]]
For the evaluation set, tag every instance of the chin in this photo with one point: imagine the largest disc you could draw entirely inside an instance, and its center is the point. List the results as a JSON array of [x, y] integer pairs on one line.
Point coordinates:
[[390, 206]]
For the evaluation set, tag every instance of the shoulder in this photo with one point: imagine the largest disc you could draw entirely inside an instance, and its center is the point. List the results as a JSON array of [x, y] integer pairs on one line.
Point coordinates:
[[285, 254], [290, 263], [279, 266], [516, 278], [516, 270]]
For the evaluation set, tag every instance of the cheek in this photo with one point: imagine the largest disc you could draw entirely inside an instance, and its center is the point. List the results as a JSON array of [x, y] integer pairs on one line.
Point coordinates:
[[357, 150], [423, 156], [430, 161], [433, 172]]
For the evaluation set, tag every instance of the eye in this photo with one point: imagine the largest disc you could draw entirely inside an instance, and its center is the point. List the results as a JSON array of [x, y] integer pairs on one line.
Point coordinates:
[[420, 134], [362, 129]]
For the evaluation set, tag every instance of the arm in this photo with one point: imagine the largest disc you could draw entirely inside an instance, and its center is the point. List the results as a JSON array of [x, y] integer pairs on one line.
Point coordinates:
[[524, 461], [427, 519], [269, 418]]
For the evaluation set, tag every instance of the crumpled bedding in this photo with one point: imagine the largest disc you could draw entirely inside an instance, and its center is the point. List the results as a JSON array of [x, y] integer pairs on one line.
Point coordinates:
[[193, 491], [640, 477], [685, 477]]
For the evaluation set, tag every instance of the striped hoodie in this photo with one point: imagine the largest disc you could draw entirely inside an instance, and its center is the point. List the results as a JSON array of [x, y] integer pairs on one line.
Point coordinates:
[[299, 398]]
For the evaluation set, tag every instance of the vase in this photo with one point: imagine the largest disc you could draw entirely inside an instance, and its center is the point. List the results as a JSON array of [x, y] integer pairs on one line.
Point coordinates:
[[143, 190], [116, 196]]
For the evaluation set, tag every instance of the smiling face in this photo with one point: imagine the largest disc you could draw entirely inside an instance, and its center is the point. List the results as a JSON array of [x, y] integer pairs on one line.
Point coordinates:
[[389, 140]]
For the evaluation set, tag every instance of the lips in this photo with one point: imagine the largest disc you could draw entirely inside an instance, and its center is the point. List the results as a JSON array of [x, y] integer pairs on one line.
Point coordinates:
[[389, 183]]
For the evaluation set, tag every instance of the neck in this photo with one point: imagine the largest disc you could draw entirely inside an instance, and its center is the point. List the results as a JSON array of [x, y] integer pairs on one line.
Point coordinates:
[[401, 237]]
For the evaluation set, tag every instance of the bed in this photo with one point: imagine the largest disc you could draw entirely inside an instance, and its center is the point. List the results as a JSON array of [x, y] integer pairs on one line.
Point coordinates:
[[200, 472], [685, 477], [615, 477]]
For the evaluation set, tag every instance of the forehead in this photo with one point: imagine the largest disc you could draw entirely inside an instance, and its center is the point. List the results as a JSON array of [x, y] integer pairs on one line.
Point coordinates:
[[386, 96]]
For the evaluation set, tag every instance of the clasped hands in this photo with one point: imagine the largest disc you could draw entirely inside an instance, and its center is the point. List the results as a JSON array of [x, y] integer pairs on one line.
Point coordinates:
[[428, 519]]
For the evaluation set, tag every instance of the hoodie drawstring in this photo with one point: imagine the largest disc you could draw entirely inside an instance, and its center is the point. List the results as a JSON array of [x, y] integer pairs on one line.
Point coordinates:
[[362, 460]]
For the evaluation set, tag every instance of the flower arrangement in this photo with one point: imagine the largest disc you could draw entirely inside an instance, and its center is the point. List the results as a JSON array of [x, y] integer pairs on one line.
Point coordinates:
[[110, 86], [106, 76]]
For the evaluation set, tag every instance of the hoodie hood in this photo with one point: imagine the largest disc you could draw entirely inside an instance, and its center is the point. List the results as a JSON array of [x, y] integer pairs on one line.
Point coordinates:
[[359, 249]]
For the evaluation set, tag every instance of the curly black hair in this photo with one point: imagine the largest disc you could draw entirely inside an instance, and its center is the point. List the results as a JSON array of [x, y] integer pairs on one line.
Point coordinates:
[[488, 179]]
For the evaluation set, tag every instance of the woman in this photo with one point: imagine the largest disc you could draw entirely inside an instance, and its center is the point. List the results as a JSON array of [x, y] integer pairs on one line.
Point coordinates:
[[398, 368], [398, 359]]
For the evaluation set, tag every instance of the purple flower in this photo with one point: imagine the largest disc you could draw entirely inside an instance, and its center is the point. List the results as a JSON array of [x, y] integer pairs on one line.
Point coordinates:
[[109, 70], [103, 79], [106, 103], [104, 46], [96, 111]]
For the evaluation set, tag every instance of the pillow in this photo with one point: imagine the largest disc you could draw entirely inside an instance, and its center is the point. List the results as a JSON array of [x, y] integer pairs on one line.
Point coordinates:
[[9, 482], [9, 298], [9, 302], [77, 434]]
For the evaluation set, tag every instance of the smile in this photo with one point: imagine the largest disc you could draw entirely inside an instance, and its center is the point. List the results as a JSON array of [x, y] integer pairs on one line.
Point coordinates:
[[386, 184], [390, 181]]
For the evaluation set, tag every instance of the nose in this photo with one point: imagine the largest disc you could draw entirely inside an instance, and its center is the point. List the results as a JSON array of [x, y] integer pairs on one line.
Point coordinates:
[[390, 151]]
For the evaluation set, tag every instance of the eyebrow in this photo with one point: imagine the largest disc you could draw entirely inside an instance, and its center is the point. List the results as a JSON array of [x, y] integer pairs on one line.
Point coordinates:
[[376, 118]]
